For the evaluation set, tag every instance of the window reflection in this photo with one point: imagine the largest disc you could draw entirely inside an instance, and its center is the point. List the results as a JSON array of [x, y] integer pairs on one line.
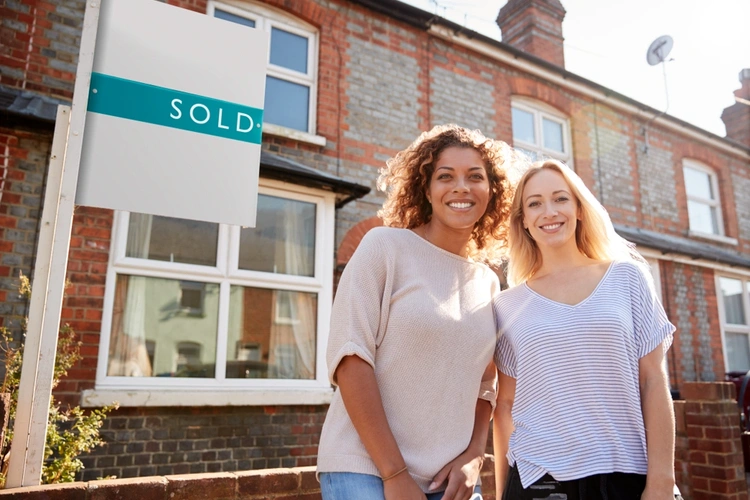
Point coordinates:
[[272, 334], [169, 239], [283, 240], [155, 335]]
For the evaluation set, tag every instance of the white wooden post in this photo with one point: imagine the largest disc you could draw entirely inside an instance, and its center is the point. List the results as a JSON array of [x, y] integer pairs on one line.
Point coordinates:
[[48, 286]]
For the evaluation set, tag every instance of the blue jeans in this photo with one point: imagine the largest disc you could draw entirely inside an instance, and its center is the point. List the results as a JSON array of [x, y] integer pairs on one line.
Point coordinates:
[[351, 485]]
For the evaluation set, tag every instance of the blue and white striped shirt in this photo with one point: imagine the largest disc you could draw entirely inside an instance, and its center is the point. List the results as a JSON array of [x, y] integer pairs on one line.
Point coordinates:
[[577, 408]]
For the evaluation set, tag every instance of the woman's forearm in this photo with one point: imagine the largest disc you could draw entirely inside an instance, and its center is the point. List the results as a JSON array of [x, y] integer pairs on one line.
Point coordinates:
[[658, 419], [502, 428], [361, 396], [478, 443]]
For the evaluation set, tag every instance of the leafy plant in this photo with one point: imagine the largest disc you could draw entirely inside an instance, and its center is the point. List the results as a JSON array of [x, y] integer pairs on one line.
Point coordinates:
[[70, 431]]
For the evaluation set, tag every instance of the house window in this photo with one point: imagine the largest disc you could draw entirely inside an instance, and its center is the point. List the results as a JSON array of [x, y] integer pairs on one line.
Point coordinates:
[[702, 190], [540, 132], [291, 74], [199, 304], [734, 307]]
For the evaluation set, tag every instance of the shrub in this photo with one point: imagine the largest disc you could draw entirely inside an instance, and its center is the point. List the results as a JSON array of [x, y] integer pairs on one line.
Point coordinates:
[[70, 431]]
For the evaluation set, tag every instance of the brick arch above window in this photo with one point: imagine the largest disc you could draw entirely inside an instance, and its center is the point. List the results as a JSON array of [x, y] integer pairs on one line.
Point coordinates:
[[528, 88], [352, 238], [306, 11]]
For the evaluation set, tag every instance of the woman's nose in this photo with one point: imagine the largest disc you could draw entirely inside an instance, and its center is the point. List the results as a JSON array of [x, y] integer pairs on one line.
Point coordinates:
[[460, 185]]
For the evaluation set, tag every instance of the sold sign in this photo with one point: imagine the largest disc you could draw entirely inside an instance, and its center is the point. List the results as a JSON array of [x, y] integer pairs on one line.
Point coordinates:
[[122, 98]]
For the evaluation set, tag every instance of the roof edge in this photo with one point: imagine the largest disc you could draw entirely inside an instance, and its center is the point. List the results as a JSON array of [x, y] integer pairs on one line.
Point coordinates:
[[422, 19], [677, 244]]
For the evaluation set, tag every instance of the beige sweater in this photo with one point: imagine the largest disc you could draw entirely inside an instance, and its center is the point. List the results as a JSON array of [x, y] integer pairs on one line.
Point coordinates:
[[423, 318]]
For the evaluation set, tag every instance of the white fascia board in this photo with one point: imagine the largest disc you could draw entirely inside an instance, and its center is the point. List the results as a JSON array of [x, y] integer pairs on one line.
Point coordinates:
[[690, 261]]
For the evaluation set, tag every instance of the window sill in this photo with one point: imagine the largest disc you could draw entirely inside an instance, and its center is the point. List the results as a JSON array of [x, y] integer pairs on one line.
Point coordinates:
[[297, 135], [713, 237], [94, 398]]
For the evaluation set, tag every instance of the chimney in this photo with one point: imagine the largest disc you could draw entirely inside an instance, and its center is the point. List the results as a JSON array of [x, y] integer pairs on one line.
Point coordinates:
[[535, 27], [737, 116]]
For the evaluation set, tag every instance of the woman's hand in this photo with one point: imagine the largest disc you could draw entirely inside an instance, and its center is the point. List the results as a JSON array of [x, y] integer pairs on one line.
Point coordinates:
[[462, 474], [402, 487], [658, 493]]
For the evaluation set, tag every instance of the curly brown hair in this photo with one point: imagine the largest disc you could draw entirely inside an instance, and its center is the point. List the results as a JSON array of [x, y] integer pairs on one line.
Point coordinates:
[[406, 178]]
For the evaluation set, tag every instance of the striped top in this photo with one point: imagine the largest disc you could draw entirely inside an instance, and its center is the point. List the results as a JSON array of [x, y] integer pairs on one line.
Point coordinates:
[[577, 408]]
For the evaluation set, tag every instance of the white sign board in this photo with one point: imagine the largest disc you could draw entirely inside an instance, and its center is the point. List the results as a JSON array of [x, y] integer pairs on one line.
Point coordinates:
[[174, 115]]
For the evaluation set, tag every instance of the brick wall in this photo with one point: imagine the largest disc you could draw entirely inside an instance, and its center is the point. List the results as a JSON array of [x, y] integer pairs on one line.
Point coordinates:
[[23, 166], [715, 466], [689, 298], [283, 484], [681, 450], [39, 45], [165, 441], [84, 303]]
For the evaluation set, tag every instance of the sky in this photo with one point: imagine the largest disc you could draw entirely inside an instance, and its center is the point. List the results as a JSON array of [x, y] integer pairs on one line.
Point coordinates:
[[606, 41]]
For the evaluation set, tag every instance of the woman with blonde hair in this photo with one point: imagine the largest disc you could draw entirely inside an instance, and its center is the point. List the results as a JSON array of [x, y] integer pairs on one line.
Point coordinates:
[[413, 330], [583, 409]]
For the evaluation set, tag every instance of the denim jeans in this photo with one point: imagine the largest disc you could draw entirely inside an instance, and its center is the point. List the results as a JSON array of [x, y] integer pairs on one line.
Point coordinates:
[[354, 486]]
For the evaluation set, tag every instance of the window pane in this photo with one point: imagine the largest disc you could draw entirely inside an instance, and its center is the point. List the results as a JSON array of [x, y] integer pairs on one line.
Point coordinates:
[[163, 328], [173, 240], [287, 104], [532, 156], [738, 352], [283, 240], [288, 50], [523, 126], [221, 14], [702, 217], [552, 134], [272, 334], [698, 183], [731, 293]]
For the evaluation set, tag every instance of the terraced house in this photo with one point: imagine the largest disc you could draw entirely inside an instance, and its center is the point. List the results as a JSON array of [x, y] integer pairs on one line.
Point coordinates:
[[212, 337]]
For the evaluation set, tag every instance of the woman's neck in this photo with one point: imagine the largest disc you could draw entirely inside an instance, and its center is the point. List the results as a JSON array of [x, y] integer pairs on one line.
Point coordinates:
[[451, 240], [561, 258]]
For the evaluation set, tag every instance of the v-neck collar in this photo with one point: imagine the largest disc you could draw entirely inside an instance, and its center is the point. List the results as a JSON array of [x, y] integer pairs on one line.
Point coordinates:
[[583, 301]]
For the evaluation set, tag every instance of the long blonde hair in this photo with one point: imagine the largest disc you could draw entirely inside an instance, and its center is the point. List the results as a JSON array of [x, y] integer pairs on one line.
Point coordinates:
[[595, 236]]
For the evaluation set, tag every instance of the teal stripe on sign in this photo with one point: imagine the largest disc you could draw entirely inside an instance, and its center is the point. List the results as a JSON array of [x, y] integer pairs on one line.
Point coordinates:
[[113, 96]]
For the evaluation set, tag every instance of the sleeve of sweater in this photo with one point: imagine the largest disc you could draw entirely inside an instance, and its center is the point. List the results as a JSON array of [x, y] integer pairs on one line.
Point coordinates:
[[361, 303], [488, 387]]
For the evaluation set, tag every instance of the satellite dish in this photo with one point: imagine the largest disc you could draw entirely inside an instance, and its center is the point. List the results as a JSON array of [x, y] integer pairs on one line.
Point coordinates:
[[659, 50]]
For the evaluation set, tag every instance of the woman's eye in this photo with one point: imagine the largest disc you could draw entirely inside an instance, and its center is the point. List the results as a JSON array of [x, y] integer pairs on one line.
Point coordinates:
[[562, 199], [533, 204]]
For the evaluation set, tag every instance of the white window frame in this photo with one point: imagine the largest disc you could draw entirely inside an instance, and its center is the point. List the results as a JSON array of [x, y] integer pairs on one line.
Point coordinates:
[[266, 18], [156, 391], [542, 111], [714, 203], [732, 328]]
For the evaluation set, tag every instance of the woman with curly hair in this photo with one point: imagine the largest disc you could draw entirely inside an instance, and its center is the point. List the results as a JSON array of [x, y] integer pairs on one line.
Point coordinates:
[[413, 331]]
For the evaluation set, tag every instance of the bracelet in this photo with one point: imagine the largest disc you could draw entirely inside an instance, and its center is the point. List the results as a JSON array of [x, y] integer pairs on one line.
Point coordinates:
[[395, 474]]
